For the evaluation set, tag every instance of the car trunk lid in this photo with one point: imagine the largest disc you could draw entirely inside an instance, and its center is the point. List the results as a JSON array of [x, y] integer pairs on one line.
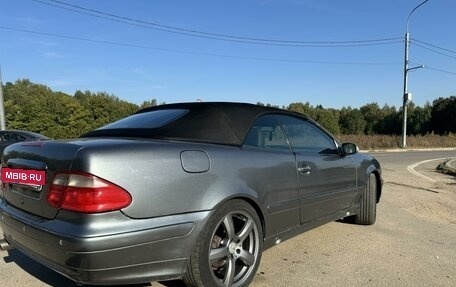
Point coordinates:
[[35, 157]]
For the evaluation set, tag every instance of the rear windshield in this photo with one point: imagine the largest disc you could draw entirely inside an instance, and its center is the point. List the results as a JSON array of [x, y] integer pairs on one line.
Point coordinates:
[[147, 120]]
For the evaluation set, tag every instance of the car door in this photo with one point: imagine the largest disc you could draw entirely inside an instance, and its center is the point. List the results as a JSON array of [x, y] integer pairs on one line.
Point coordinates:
[[273, 173], [326, 180]]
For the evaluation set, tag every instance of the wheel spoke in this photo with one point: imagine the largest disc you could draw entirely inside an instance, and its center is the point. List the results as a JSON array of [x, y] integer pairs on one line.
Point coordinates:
[[218, 253], [229, 226], [247, 257], [244, 233], [230, 272], [234, 245]]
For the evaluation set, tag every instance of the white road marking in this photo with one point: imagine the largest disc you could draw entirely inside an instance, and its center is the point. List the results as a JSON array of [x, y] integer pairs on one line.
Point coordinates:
[[411, 168]]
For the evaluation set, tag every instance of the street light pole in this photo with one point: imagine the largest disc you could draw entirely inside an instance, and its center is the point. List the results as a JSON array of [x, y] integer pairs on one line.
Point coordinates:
[[406, 95]]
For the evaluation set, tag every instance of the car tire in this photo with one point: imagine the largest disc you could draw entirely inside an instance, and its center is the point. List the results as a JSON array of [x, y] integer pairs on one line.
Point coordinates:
[[228, 250], [368, 206]]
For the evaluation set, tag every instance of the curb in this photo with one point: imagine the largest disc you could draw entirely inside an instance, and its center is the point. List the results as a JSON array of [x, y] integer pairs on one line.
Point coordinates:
[[448, 167]]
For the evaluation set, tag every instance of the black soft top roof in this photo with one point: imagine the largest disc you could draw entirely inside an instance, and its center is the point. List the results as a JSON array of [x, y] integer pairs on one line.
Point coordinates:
[[212, 122]]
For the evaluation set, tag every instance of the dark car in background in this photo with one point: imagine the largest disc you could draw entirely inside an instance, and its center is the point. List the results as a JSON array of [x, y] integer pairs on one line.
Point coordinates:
[[8, 137], [192, 191]]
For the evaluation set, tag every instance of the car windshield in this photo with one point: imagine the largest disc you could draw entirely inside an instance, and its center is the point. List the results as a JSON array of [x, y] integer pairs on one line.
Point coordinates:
[[147, 120]]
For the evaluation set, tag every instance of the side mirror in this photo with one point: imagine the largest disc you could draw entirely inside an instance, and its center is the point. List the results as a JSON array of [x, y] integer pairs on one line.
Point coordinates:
[[349, 148]]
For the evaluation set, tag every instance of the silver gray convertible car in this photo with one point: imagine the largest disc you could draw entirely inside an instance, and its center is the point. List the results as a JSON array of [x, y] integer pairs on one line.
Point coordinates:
[[192, 191]]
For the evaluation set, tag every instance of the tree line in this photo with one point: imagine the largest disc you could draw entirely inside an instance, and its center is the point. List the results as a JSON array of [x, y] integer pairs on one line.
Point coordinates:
[[35, 107], [438, 117]]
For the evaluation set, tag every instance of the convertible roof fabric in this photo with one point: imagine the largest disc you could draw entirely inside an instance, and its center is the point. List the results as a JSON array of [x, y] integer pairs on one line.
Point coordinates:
[[211, 122]]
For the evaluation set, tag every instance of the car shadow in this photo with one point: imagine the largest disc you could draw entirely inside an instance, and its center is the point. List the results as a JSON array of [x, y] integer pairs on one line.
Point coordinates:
[[173, 283], [347, 220], [48, 276]]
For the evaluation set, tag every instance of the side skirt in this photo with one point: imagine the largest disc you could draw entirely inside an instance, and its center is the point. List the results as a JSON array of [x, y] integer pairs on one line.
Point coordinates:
[[292, 232]]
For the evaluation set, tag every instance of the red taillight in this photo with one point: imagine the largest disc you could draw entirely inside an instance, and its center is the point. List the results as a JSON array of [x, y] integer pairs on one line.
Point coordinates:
[[86, 193]]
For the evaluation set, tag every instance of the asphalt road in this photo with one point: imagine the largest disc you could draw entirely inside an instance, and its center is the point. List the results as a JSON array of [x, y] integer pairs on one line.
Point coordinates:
[[413, 242]]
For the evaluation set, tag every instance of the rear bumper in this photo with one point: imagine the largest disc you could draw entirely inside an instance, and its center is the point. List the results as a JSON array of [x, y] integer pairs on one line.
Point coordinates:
[[107, 248]]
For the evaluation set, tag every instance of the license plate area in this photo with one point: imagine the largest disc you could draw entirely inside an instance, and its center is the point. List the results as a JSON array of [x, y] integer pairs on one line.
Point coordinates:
[[33, 191], [23, 177]]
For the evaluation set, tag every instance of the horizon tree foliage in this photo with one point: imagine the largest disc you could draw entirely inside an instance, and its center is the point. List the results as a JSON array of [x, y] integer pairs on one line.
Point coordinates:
[[391, 123], [372, 115], [148, 104], [352, 121], [328, 118], [35, 107], [102, 108], [419, 121], [443, 115]]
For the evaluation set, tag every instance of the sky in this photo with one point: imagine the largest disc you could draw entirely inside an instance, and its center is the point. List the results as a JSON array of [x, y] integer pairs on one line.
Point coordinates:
[[326, 52]]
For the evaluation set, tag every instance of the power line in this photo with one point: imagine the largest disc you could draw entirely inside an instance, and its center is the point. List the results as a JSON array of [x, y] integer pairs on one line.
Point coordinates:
[[192, 52], [214, 36], [434, 51], [440, 70], [434, 46]]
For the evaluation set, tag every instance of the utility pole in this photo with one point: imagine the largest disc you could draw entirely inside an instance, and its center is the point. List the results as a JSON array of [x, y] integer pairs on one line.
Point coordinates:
[[406, 95], [2, 106]]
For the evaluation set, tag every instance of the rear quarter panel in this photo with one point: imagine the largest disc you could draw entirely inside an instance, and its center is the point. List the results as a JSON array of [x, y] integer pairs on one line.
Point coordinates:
[[151, 171]]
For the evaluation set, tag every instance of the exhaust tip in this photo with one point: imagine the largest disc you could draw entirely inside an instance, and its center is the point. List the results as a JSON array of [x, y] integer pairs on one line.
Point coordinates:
[[4, 245]]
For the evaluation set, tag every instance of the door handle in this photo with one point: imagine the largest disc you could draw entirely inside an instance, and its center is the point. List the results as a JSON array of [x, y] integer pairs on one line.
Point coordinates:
[[305, 169]]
